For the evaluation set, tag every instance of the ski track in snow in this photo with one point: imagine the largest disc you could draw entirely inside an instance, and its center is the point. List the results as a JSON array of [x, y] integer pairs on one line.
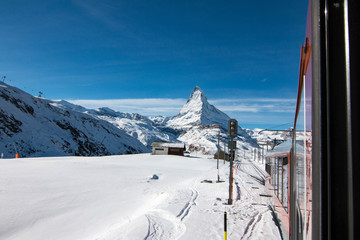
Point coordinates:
[[238, 191], [185, 211], [164, 225], [251, 225]]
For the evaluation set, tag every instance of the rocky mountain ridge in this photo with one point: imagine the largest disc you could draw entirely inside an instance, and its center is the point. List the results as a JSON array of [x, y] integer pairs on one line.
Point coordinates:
[[198, 124], [32, 126], [39, 127]]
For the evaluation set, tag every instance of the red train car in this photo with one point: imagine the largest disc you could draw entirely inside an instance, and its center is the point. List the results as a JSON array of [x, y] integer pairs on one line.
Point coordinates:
[[314, 177]]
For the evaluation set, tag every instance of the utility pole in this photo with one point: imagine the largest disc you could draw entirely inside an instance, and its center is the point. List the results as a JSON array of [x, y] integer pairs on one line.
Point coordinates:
[[218, 156], [224, 150], [233, 132]]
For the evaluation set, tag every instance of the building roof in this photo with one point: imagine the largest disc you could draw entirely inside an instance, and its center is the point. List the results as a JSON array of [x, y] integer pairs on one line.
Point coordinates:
[[285, 148], [167, 144]]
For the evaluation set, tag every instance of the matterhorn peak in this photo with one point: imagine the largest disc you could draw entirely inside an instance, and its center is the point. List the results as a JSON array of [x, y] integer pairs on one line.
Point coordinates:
[[197, 89], [198, 111], [197, 95], [196, 101]]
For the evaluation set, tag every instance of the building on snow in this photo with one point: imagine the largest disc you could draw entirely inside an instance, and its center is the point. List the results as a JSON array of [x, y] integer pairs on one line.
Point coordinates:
[[165, 148]]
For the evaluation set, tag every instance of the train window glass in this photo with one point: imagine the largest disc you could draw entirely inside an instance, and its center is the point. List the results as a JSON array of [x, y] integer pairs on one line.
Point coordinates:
[[277, 165], [285, 160], [300, 171], [302, 149], [285, 179]]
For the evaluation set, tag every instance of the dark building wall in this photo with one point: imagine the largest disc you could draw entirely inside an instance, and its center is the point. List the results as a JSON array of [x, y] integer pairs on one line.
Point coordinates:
[[176, 151]]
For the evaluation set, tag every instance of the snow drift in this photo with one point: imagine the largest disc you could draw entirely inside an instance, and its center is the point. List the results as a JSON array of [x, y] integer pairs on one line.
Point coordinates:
[[116, 197]]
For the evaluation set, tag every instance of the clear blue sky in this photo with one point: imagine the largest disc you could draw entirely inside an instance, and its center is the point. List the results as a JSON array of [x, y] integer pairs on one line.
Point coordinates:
[[148, 55]]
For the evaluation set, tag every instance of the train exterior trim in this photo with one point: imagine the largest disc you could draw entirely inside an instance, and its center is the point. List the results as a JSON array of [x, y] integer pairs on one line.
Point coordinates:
[[335, 119], [301, 150], [290, 165], [277, 179], [277, 165], [315, 178]]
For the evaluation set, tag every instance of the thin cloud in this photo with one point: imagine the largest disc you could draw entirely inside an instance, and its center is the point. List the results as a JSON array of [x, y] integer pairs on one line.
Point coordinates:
[[169, 106], [255, 105], [253, 100], [100, 11], [146, 106], [254, 112]]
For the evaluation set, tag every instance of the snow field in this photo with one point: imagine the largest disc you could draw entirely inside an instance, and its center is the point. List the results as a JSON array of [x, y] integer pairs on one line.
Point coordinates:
[[114, 197]]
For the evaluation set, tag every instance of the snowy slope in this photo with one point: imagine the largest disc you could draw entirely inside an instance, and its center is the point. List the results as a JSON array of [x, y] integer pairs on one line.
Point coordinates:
[[268, 135], [198, 111], [201, 123], [136, 125], [116, 198], [270, 138], [197, 125], [39, 127]]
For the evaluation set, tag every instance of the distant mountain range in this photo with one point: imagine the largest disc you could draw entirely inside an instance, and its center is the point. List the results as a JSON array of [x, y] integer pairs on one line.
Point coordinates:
[[34, 126]]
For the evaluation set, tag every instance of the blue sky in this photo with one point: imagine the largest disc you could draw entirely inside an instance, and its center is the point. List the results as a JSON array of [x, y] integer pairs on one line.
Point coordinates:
[[147, 56]]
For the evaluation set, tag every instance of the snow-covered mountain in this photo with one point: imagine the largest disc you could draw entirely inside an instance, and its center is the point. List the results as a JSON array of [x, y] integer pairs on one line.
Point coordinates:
[[200, 125], [40, 127], [140, 127], [264, 135], [35, 126], [136, 125], [268, 139], [198, 112]]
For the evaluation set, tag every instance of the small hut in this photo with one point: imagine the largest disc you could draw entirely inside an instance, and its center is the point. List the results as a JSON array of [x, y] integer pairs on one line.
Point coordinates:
[[165, 148]]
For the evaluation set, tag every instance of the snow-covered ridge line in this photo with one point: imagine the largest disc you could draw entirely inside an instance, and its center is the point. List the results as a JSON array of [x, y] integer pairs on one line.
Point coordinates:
[[34, 126], [198, 125]]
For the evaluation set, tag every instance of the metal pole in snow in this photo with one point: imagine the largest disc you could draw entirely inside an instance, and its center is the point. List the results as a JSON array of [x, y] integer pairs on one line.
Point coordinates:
[[231, 152], [218, 156], [225, 226], [225, 150], [218, 147]]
